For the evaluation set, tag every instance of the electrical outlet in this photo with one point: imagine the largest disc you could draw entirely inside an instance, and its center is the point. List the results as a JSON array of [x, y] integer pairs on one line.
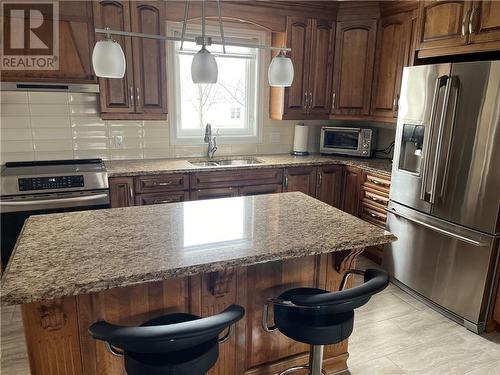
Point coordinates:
[[119, 141]]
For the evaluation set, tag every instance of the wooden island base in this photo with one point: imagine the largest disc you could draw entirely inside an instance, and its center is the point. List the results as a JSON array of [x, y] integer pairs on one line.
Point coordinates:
[[58, 342]]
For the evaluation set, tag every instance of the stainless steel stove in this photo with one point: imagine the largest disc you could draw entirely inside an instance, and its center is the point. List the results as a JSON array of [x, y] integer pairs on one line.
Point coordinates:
[[42, 187]]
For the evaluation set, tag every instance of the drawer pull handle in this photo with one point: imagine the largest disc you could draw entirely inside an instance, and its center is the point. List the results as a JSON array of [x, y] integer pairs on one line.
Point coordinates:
[[377, 182], [376, 216], [162, 201], [163, 183], [375, 199]]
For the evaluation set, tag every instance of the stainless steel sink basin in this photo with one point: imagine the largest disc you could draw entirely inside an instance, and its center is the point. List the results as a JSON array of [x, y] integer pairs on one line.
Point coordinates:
[[221, 162]]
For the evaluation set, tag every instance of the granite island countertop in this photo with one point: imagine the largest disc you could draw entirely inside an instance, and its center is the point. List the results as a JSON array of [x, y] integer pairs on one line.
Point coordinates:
[[74, 253], [117, 168]]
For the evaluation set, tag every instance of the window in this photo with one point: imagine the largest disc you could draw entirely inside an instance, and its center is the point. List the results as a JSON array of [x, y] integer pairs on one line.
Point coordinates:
[[231, 105]]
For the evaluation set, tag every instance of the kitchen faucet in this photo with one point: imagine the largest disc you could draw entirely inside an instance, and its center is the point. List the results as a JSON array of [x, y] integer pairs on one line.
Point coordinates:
[[212, 144]]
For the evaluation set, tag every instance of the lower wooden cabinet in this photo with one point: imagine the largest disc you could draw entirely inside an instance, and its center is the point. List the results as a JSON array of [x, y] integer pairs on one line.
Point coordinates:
[[121, 191], [329, 185], [301, 179], [350, 190], [260, 189], [161, 198], [224, 192]]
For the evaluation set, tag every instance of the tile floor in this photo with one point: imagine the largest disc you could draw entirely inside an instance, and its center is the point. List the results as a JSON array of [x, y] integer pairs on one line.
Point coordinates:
[[394, 334]]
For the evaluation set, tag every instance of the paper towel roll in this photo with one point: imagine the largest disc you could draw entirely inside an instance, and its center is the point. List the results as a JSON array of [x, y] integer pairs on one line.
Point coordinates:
[[300, 140]]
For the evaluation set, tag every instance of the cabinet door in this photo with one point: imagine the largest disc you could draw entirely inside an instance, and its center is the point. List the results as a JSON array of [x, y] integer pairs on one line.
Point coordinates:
[[121, 191], [116, 95], [353, 67], [213, 193], [321, 68], [329, 185], [260, 189], [484, 23], [298, 39], [301, 179], [149, 57], [442, 24], [350, 190], [76, 41], [393, 42]]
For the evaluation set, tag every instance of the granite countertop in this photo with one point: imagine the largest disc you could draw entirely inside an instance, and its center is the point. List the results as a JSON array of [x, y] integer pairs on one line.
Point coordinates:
[[163, 166], [89, 251]]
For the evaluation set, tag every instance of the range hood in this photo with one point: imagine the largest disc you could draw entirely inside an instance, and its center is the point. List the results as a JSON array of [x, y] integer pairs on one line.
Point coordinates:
[[49, 87]]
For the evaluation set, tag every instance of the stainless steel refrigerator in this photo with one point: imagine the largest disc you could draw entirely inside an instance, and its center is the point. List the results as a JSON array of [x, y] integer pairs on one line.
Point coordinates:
[[445, 189]]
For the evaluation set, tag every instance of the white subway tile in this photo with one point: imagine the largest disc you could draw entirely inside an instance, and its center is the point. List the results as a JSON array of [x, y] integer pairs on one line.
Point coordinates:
[[189, 151], [13, 97], [22, 134], [14, 122], [156, 132], [52, 110], [16, 156], [149, 124], [89, 132], [16, 146], [87, 121], [51, 133], [48, 97], [83, 109], [53, 145], [53, 155], [49, 122], [82, 98], [125, 123], [126, 154], [244, 149], [91, 144], [9, 109], [125, 131], [156, 143], [90, 154], [158, 153]]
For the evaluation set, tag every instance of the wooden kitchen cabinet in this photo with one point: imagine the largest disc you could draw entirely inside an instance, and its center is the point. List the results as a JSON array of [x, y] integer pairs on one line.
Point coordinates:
[[163, 182], [301, 179], [236, 178], [121, 191], [142, 92], [353, 67], [457, 27], [392, 54], [351, 183], [76, 42], [161, 198], [329, 185], [224, 192], [260, 189], [309, 96]]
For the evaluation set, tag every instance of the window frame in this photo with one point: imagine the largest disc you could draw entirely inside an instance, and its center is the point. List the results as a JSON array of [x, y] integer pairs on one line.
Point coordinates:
[[252, 133]]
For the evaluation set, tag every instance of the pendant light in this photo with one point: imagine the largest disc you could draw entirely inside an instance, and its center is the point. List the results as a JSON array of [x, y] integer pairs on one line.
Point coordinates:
[[204, 67], [108, 59], [280, 72]]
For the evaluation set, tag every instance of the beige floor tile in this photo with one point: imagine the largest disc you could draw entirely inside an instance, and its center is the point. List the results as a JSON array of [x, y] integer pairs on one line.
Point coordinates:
[[377, 366], [492, 369]]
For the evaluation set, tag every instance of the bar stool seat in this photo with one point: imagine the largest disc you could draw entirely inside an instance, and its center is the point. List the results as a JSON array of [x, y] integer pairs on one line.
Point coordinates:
[[318, 317], [180, 344]]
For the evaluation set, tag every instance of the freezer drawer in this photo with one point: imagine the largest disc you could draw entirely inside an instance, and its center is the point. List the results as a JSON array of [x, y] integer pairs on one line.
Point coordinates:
[[450, 265]]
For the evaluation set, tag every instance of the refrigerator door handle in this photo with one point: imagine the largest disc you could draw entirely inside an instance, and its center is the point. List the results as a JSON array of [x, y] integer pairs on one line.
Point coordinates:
[[439, 82], [439, 143], [439, 230]]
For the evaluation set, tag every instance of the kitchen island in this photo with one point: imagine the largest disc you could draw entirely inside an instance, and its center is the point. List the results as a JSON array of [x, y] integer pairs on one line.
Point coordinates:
[[130, 264]]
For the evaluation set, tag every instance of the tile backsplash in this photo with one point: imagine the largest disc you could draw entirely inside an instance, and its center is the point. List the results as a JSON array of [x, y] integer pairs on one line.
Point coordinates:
[[43, 125], [54, 125]]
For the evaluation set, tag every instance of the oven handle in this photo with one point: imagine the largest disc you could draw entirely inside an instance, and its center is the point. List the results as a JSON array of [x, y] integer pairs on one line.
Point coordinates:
[[43, 203]]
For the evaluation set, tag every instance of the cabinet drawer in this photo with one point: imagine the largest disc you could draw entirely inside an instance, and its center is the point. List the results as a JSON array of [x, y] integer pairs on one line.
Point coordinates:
[[260, 189], [161, 198], [377, 182], [213, 193], [373, 214], [167, 182], [236, 178], [374, 197]]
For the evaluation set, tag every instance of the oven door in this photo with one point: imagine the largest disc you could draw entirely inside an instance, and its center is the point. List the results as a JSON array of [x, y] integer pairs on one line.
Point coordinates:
[[16, 209], [337, 140]]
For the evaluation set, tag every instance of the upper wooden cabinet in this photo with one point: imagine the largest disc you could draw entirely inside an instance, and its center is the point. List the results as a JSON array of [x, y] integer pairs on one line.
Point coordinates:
[[142, 92], [394, 41], [457, 27], [353, 67], [76, 41], [309, 97]]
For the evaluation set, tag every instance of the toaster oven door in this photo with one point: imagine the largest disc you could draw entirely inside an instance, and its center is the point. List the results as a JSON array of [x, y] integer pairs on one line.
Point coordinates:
[[345, 141]]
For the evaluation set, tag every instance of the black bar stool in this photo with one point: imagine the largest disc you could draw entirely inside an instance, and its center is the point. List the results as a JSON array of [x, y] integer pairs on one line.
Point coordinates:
[[180, 344], [318, 317]]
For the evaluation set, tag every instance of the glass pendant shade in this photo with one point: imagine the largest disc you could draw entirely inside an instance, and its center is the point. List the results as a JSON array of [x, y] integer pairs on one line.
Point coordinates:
[[280, 73], [108, 59], [204, 67]]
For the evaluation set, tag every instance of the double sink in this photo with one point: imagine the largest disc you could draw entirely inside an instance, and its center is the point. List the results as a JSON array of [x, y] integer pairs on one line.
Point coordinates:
[[225, 161]]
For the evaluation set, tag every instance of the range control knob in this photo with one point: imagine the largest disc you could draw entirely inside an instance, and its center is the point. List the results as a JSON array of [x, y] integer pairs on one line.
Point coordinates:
[[365, 145], [365, 152]]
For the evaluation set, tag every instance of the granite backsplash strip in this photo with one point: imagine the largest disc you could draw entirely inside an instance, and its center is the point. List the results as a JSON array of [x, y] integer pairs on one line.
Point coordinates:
[[81, 252]]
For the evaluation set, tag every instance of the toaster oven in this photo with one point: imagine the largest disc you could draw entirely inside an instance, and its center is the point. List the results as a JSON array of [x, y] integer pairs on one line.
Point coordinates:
[[347, 141]]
